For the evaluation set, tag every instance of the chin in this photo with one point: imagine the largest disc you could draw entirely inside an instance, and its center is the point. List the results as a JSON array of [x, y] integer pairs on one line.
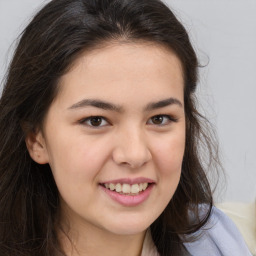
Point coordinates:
[[130, 226]]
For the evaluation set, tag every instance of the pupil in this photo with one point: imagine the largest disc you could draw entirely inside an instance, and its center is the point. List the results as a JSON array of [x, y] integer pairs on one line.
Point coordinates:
[[96, 121], [157, 119]]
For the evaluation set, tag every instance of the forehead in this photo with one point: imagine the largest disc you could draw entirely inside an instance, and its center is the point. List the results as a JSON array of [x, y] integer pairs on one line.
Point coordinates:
[[123, 68], [118, 44]]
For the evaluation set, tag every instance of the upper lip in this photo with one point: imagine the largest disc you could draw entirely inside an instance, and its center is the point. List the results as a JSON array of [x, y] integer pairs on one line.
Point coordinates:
[[130, 181]]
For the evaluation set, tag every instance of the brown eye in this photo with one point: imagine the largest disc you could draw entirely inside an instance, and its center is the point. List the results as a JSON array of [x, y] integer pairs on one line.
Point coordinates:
[[161, 120], [94, 121], [157, 119]]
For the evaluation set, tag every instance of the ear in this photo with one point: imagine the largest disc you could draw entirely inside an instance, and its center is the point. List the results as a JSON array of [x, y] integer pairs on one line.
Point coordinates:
[[37, 147]]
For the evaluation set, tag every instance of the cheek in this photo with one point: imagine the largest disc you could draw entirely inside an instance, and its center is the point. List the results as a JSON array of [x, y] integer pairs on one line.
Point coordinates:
[[77, 159], [75, 165], [90, 155], [169, 154], [168, 157]]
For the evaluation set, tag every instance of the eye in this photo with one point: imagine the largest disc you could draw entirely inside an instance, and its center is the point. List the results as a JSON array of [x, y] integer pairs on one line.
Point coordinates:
[[94, 121], [161, 120]]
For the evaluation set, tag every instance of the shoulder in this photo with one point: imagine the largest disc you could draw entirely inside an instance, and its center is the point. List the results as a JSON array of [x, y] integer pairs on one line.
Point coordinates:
[[219, 237]]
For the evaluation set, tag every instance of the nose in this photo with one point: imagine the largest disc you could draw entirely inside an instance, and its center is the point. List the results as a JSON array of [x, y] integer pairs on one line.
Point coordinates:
[[131, 149]]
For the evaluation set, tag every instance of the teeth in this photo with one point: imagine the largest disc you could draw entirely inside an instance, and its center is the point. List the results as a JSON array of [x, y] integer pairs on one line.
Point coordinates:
[[118, 187], [135, 188], [144, 186], [112, 186], [127, 188]]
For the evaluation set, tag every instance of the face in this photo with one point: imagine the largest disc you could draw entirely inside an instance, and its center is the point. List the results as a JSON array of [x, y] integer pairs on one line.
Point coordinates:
[[114, 137]]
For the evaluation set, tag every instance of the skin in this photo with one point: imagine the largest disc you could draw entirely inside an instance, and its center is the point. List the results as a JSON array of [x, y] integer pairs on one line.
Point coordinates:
[[128, 143]]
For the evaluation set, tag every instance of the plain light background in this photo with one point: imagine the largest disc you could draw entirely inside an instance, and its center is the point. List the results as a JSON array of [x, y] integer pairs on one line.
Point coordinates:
[[223, 33]]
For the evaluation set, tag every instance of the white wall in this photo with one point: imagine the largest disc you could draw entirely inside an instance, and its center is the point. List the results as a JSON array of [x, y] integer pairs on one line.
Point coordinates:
[[223, 33]]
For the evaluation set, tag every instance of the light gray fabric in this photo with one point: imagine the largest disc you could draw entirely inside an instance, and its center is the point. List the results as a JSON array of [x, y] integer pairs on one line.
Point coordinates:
[[220, 237]]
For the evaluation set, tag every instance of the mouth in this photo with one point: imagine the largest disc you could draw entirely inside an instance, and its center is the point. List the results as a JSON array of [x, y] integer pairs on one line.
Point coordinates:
[[127, 189], [129, 192]]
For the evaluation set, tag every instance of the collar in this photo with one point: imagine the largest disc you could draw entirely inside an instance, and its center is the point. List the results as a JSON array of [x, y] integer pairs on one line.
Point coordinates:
[[149, 248]]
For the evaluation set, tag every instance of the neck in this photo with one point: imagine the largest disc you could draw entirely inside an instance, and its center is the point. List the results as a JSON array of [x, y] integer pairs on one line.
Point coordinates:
[[86, 239]]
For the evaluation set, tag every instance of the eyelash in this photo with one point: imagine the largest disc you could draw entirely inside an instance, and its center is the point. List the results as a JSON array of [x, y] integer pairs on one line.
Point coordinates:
[[90, 119], [85, 121], [169, 118]]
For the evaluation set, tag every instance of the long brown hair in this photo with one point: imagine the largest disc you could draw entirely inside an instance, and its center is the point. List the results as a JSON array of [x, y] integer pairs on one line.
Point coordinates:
[[48, 46]]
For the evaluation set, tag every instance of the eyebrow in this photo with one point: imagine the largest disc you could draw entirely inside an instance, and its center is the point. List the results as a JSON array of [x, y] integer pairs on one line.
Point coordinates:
[[98, 104], [109, 106], [163, 103]]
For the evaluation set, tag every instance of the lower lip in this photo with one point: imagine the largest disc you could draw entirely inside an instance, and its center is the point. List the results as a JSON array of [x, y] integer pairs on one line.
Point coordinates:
[[129, 200]]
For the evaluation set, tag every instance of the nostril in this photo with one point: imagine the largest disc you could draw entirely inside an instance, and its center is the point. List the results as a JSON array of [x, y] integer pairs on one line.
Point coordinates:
[[131, 158]]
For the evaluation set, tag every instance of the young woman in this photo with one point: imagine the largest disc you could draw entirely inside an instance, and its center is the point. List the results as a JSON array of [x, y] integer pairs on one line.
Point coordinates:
[[101, 142]]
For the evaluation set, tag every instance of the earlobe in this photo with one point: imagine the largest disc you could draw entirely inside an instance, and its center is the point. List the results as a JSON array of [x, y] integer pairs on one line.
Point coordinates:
[[36, 146]]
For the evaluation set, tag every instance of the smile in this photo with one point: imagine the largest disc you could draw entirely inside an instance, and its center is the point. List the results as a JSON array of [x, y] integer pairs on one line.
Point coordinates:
[[127, 189], [128, 192]]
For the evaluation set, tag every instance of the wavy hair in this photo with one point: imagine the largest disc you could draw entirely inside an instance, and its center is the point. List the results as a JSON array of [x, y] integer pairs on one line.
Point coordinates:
[[58, 34]]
